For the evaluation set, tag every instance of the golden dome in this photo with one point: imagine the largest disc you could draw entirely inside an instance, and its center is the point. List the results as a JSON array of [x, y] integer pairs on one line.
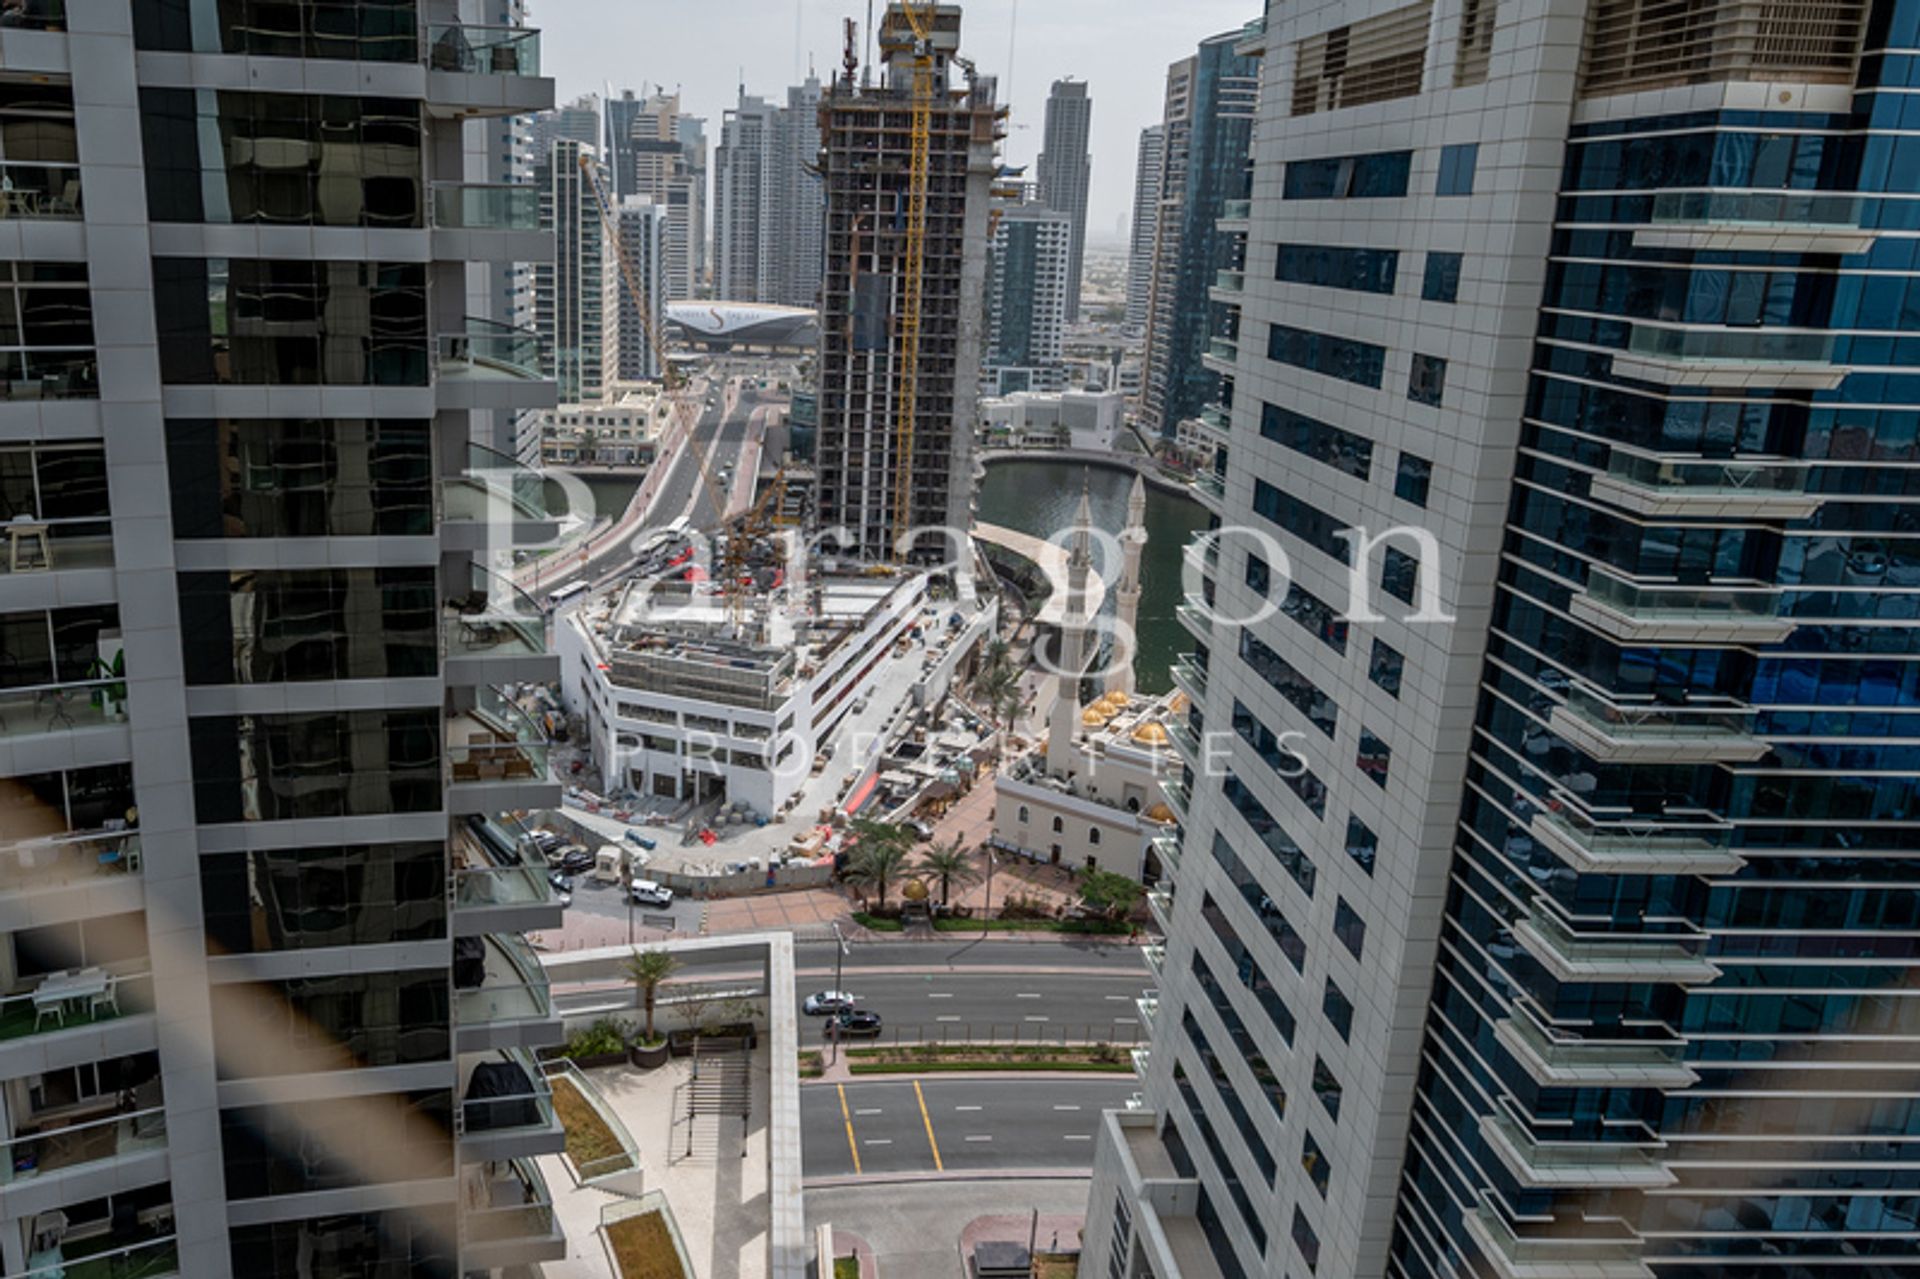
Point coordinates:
[[1159, 813], [914, 890], [1115, 700], [1094, 717], [1151, 733], [1178, 703]]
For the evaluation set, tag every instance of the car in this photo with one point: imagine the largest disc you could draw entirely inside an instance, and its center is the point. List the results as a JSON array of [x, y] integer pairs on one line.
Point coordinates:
[[920, 829], [635, 837], [826, 1001], [574, 859], [850, 1022], [647, 893], [562, 887]]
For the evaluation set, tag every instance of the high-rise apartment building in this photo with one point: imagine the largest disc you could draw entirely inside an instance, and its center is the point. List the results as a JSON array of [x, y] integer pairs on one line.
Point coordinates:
[[691, 131], [1027, 279], [1066, 169], [1566, 935], [578, 121], [576, 302], [1149, 161], [664, 159], [259, 930], [767, 200], [640, 289], [1207, 123], [876, 478]]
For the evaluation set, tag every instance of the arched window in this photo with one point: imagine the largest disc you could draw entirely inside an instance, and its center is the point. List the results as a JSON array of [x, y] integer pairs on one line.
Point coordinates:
[[1093, 834], [1024, 818], [1058, 825]]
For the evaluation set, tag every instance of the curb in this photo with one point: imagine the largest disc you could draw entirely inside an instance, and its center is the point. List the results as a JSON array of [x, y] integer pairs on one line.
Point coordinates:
[[842, 1182], [948, 1076]]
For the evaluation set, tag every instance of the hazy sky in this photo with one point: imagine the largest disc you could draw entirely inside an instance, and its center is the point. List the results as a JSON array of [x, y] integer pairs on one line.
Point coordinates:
[[705, 47]]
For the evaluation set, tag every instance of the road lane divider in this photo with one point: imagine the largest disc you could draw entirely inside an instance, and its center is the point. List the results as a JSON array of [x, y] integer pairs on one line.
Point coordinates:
[[927, 1119], [853, 1147]]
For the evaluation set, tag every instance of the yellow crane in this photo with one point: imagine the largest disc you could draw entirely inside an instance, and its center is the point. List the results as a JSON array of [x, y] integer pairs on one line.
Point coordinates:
[[913, 268]]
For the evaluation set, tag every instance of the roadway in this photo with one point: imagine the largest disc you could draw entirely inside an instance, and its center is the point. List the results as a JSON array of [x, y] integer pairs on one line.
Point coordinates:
[[953, 1125]]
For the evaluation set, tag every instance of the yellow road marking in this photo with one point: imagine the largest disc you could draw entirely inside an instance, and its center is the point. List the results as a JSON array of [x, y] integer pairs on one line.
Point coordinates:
[[928, 1121], [853, 1148]]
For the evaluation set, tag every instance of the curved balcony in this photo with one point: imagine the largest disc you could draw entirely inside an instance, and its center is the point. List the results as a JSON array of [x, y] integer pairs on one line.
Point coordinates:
[[1767, 221], [476, 70], [495, 633], [488, 222], [1671, 844], [1673, 613], [1626, 958], [1730, 357], [511, 1005], [1211, 488], [508, 1219], [494, 503], [1664, 488], [488, 365], [1649, 732], [1563, 1165], [495, 888], [496, 757], [506, 1109]]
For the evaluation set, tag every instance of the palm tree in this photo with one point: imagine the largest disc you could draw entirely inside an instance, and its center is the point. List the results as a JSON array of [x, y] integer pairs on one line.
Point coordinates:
[[647, 970], [876, 865], [953, 864]]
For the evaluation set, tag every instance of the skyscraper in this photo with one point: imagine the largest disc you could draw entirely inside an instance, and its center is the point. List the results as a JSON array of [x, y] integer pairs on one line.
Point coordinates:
[[875, 478], [254, 740], [1148, 164], [641, 298], [691, 132], [767, 200], [666, 156], [1027, 299], [1208, 123], [1561, 936], [1066, 169], [578, 121], [576, 295]]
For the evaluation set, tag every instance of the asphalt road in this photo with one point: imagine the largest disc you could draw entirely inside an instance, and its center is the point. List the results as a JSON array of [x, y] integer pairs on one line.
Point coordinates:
[[872, 1127], [979, 1006]]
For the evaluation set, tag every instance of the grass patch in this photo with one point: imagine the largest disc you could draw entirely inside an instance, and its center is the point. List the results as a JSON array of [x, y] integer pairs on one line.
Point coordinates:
[[846, 1268], [813, 1063], [1098, 927], [592, 1146], [643, 1248], [875, 924], [1055, 1265], [934, 1058]]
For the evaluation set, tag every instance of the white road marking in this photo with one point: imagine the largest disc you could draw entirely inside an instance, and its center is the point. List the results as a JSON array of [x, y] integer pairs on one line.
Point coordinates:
[[936, 994], [1027, 995], [1056, 1108], [948, 1018], [1124, 1021], [1077, 1136], [969, 1107], [878, 1141], [875, 1110], [979, 1139], [1116, 999], [1033, 1019]]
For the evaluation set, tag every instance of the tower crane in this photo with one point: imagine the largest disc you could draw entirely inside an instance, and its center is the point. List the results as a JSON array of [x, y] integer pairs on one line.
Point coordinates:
[[913, 267]]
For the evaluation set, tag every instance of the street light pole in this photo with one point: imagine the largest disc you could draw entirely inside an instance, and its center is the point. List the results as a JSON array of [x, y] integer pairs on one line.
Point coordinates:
[[833, 1022], [986, 910]]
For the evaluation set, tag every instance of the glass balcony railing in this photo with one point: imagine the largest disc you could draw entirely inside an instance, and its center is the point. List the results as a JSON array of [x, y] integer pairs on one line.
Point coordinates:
[[1678, 843], [514, 989], [1155, 957], [1555, 1254], [41, 546], [1210, 484], [58, 1148], [35, 15], [54, 708], [1230, 281], [510, 1112], [1194, 619], [80, 997], [1564, 1061], [1217, 417], [531, 1218], [50, 373], [478, 50], [1627, 957], [494, 486], [486, 206], [1160, 903], [1185, 741], [495, 741], [1149, 1006], [1687, 604], [1809, 209], [494, 618], [1178, 797], [1235, 210], [1191, 677], [487, 349], [39, 189], [1167, 849], [1656, 721], [1731, 346], [1226, 349], [63, 861], [105, 1257], [1709, 479]]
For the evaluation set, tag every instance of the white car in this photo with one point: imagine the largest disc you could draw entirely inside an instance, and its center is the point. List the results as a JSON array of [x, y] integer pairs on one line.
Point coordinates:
[[647, 893], [826, 1001]]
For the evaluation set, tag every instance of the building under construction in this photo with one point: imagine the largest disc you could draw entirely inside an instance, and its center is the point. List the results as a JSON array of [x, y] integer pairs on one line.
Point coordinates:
[[909, 163]]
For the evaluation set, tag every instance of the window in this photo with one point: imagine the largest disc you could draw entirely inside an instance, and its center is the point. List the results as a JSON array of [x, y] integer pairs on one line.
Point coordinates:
[[1058, 826], [1025, 815], [1286, 762], [1413, 479], [46, 332], [270, 1150], [1243, 1040], [276, 626], [1291, 943], [1326, 1087], [302, 898], [1308, 523], [1373, 758], [1361, 363], [1385, 666], [1399, 574], [299, 1025], [1442, 282], [1306, 1241], [1427, 380], [362, 30], [1457, 164], [1093, 834], [1361, 270], [1362, 844], [341, 477], [1288, 682], [1338, 1010], [1349, 927], [406, 1243], [274, 767], [1319, 1172], [1342, 450], [1351, 177]]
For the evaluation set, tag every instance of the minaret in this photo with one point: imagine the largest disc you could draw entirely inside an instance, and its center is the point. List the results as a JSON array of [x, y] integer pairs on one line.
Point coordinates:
[[1133, 540], [1071, 653]]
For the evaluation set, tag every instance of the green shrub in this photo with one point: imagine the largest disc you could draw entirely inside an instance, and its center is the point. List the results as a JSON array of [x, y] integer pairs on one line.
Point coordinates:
[[603, 1037]]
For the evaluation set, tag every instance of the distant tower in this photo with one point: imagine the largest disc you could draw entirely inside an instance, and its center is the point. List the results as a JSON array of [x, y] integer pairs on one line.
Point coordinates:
[[1133, 540], [1070, 655]]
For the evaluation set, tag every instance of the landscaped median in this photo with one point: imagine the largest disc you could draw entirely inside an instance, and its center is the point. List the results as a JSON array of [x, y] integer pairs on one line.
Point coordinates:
[[934, 1058]]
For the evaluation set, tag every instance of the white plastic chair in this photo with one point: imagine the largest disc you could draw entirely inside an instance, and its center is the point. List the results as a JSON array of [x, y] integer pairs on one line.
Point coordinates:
[[108, 999]]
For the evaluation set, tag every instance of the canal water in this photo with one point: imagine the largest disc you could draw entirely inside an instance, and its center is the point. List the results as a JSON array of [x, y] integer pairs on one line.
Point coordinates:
[[1040, 497]]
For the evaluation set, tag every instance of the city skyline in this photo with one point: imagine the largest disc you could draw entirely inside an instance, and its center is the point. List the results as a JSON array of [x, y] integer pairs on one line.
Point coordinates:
[[707, 60]]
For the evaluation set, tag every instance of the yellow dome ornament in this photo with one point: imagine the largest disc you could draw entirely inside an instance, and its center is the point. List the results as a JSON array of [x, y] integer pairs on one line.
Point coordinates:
[[1151, 733], [915, 890], [1159, 813]]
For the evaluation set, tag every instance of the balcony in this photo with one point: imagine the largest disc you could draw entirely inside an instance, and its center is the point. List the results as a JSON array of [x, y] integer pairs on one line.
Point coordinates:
[[1627, 958], [496, 633], [1222, 355], [1253, 38], [1178, 798], [1673, 613], [86, 718], [1217, 418], [494, 890], [1190, 678], [1592, 1063], [506, 1111], [1160, 906], [105, 1256], [1560, 1255], [1671, 844], [1140, 1057], [1234, 214], [74, 1000], [1664, 488], [1763, 221], [1756, 358], [1202, 554], [35, 546], [1167, 849], [496, 758], [1649, 732], [488, 222], [1149, 1006], [33, 190], [61, 878], [58, 1150], [1186, 743], [1196, 620], [494, 503], [1156, 960], [1211, 488], [488, 365], [1565, 1165], [510, 1006], [49, 373], [508, 1220], [1230, 281], [481, 70]]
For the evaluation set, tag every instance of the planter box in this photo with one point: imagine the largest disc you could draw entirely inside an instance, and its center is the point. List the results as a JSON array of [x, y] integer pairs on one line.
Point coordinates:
[[649, 1058], [600, 1059]]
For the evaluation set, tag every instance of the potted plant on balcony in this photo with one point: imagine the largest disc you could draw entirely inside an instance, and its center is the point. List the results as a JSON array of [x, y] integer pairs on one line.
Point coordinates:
[[647, 970]]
